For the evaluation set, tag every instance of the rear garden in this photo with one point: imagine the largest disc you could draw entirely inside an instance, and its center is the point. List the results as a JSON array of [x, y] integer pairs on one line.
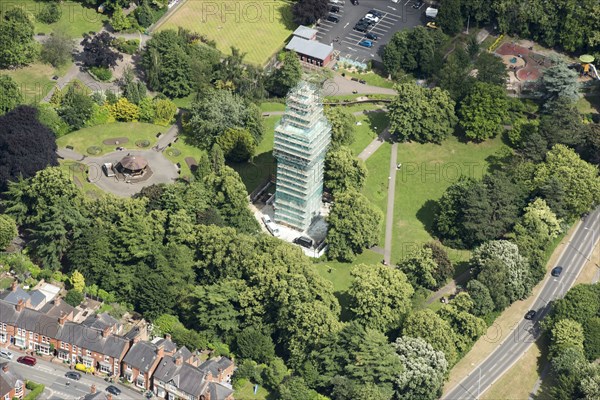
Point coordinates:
[[258, 29]]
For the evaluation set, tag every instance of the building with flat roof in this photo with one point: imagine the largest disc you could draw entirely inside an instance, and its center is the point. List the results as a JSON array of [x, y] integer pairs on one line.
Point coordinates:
[[301, 140], [310, 50]]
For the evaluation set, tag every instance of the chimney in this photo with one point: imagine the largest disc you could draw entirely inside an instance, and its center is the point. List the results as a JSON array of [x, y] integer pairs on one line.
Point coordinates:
[[5, 367], [109, 396], [14, 285], [20, 305], [62, 318], [93, 389], [57, 301], [136, 339], [106, 331], [179, 360], [168, 336]]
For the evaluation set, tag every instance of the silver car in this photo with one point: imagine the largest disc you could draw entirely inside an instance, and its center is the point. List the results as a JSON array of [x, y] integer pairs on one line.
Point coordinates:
[[6, 354]]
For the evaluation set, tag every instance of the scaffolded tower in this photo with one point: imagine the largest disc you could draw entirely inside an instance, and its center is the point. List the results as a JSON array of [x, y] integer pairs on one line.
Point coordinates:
[[301, 141]]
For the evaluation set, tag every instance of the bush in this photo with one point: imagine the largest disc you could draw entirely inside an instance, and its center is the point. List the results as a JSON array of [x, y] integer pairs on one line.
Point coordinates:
[[49, 14], [35, 390], [74, 297], [101, 115], [127, 46], [101, 73], [8, 230]]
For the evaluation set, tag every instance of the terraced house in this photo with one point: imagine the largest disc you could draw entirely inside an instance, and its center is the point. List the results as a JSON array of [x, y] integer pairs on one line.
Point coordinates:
[[43, 333], [12, 385]]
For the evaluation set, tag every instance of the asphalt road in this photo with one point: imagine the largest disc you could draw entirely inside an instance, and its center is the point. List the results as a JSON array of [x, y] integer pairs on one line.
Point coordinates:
[[518, 341], [53, 377], [396, 16]]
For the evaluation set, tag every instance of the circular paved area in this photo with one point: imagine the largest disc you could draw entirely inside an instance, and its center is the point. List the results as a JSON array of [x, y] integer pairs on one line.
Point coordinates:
[[163, 171]]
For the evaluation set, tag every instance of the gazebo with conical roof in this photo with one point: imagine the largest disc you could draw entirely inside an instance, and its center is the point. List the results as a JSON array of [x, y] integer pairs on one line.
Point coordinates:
[[132, 165]]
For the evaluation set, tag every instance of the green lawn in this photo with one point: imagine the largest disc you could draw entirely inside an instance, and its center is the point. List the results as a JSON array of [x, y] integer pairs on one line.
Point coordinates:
[[376, 186], [372, 125], [272, 106], [427, 170], [370, 77], [75, 19], [82, 139], [184, 150], [258, 29], [185, 102], [256, 171], [246, 392], [35, 80], [589, 105], [5, 283]]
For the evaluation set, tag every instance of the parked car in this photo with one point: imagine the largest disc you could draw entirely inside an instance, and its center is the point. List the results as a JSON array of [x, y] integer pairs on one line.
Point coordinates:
[[418, 4], [361, 27], [6, 354], [556, 271], [266, 219], [372, 18], [83, 368], [27, 360], [115, 391], [376, 13], [366, 21], [336, 1], [530, 314], [73, 375], [371, 36], [354, 2], [333, 18], [304, 241], [431, 25], [365, 43], [334, 9]]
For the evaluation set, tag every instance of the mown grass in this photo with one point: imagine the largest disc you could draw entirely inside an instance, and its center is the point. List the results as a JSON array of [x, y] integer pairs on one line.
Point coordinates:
[[75, 19], [84, 138], [35, 80], [258, 29], [427, 170], [371, 126], [371, 78]]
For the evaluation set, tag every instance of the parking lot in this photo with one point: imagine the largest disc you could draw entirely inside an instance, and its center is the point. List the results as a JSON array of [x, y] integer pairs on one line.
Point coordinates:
[[394, 17]]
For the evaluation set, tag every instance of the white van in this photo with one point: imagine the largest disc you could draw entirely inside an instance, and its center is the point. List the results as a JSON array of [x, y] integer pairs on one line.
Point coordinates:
[[272, 227]]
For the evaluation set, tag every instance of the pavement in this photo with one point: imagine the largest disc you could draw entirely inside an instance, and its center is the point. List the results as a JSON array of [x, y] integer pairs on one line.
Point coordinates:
[[396, 16], [375, 145], [514, 345], [389, 217], [53, 377]]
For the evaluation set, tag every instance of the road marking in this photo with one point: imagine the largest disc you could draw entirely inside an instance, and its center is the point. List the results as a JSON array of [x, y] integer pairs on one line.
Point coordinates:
[[347, 23], [391, 8], [350, 48]]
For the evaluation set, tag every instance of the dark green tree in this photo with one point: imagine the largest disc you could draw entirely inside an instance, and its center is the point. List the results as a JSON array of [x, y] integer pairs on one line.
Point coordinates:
[[285, 77], [17, 47], [353, 226], [450, 17], [343, 171], [10, 94]]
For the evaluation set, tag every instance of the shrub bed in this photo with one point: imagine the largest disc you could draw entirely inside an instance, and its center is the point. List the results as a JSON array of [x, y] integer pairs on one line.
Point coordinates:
[[94, 150], [101, 74], [142, 143]]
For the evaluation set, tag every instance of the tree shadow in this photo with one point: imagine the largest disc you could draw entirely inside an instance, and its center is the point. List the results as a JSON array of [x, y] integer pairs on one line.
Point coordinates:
[[255, 172], [426, 215], [378, 122], [286, 17], [344, 300]]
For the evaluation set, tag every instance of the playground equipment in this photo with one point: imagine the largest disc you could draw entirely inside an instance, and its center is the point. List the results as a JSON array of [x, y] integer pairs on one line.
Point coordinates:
[[588, 67]]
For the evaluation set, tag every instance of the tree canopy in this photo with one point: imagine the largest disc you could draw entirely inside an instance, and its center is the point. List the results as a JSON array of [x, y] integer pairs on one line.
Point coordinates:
[[483, 111], [17, 47], [26, 146], [380, 296], [11, 94], [353, 225], [421, 114]]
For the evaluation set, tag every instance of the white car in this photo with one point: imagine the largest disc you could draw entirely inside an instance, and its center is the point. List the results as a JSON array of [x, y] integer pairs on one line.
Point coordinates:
[[6, 354], [273, 228], [336, 1], [372, 17], [266, 219]]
